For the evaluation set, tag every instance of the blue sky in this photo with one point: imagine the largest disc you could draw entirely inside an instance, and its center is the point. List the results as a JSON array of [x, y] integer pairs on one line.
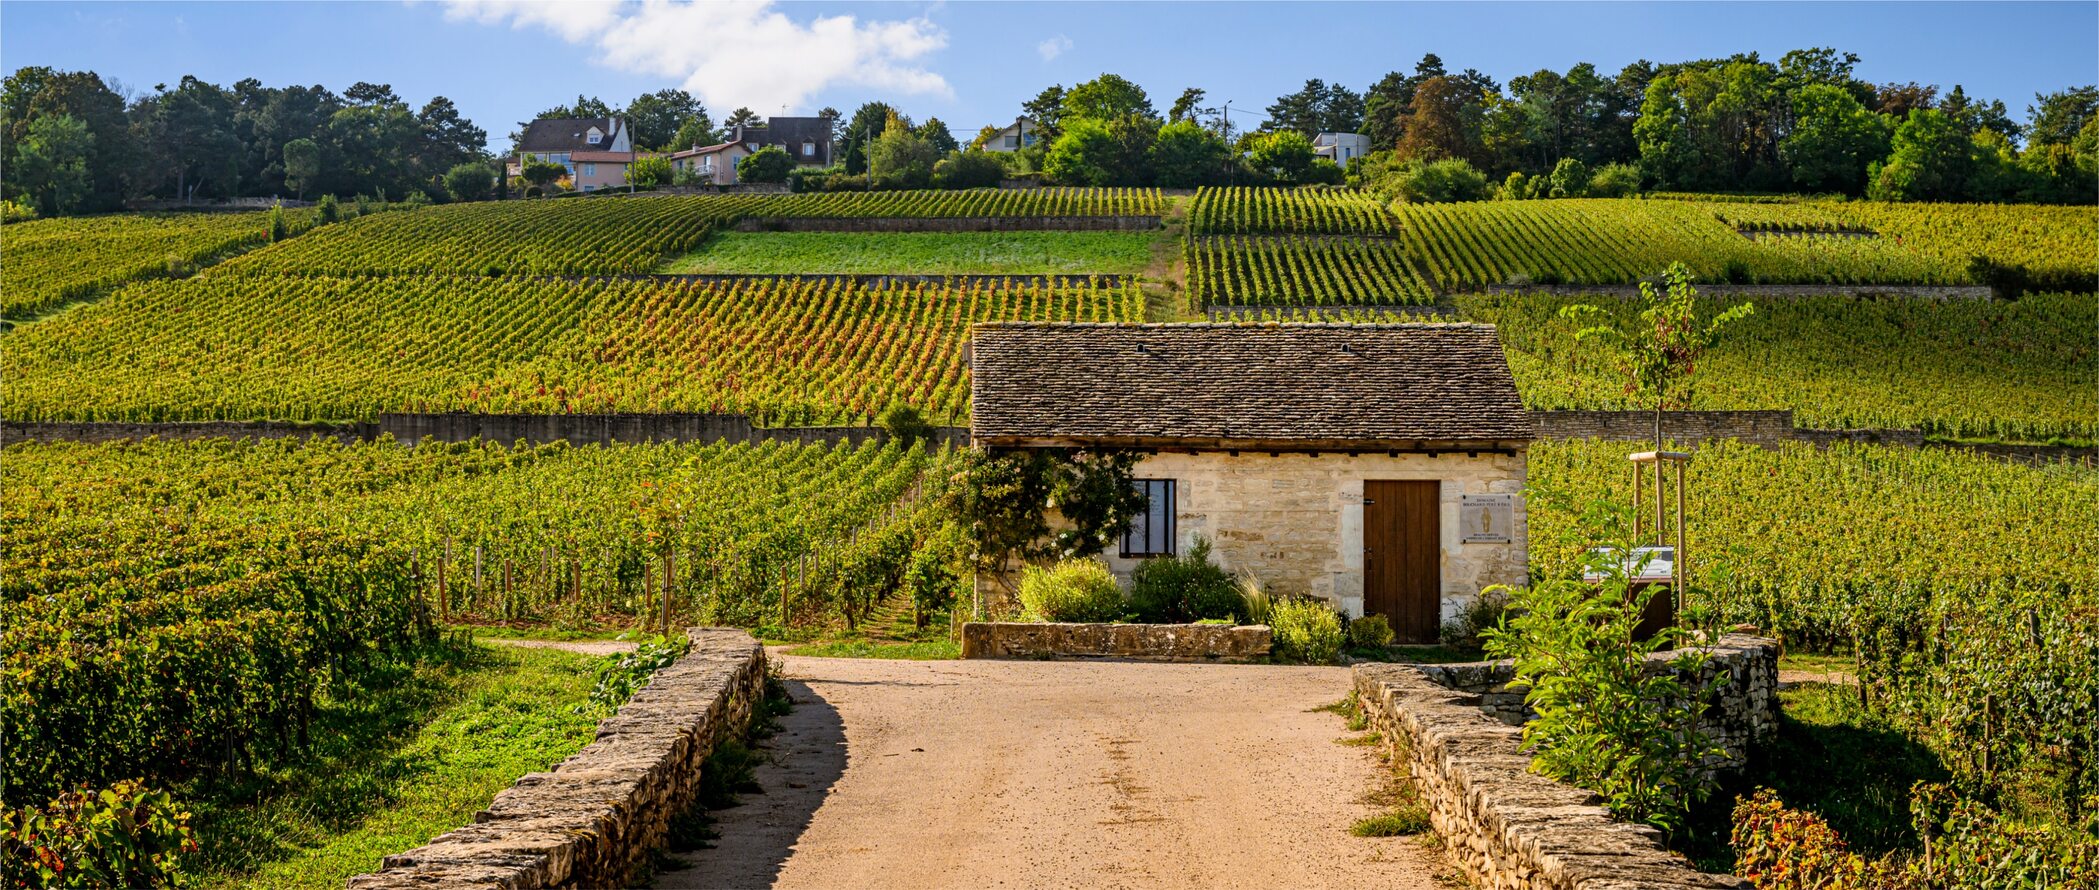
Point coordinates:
[[974, 63]]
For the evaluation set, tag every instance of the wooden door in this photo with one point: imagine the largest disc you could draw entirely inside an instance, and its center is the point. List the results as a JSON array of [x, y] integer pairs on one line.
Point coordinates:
[[1403, 557]]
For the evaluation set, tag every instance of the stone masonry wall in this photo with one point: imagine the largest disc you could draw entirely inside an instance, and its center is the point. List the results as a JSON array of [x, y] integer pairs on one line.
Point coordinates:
[[1507, 827], [950, 224], [1745, 711], [1178, 642], [1295, 521], [600, 814], [580, 429], [1723, 289]]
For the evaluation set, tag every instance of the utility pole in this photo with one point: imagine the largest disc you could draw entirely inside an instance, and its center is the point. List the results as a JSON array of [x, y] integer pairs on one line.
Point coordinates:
[[1231, 159]]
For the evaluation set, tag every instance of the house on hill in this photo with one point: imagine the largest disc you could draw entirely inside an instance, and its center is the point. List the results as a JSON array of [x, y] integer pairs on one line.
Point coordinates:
[[1021, 133], [594, 150], [1341, 147], [1380, 467], [713, 163]]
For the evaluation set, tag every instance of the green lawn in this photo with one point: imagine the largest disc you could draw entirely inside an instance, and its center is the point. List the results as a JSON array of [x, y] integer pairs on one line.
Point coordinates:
[[930, 650], [918, 253], [401, 762]]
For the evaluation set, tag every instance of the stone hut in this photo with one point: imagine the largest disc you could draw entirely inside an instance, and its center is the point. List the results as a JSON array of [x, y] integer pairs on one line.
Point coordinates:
[[1380, 467]]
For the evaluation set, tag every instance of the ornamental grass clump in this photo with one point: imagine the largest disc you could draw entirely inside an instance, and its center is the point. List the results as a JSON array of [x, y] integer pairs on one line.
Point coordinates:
[[1306, 631], [1072, 590]]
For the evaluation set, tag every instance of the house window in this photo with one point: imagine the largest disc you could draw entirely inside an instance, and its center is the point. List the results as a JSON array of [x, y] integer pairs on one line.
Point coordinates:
[[808, 149], [1031, 139], [1012, 141], [590, 169], [593, 137], [1151, 532]]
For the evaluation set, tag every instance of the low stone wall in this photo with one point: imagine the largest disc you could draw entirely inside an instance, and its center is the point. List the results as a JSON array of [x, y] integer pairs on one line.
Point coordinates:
[[884, 281], [1744, 713], [1760, 427], [1236, 313], [579, 429], [599, 815], [26, 431], [950, 224], [1722, 289], [1507, 827], [1179, 642]]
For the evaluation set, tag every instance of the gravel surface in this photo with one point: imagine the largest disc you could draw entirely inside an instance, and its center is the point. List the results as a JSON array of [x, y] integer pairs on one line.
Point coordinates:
[[1039, 774]]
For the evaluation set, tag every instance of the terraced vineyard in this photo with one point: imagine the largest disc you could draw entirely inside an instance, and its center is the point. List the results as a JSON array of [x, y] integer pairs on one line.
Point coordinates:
[[168, 604], [1236, 270], [942, 204], [2025, 370], [318, 348], [1819, 544], [50, 262], [1278, 211], [597, 236], [1614, 241]]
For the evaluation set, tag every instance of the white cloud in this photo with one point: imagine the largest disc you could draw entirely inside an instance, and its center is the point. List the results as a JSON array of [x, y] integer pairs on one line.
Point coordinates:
[[739, 53], [1053, 47]]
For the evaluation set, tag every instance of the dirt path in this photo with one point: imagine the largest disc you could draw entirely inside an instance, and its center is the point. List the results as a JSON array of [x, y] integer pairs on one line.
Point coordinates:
[[1057, 774]]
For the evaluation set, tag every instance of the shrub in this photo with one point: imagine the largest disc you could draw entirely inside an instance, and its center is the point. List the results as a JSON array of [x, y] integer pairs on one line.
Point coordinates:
[[1072, 590], [123, 836], [1776, 847], [768, 164], [1615, 181], [648, 173], [1474, 618], [622, 675], [969, 170], [278, 229], [331, 211], [471, 181], [1306, 631], [1604, 723], [846, 182], [905, 424], [1370, 632], [1184, 588], [1439, 181], [16, 211]]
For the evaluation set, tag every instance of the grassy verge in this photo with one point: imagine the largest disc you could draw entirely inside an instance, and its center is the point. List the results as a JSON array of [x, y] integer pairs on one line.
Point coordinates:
[[1832, 758], [546, 632], [397, 764], [930, 650], [918, 253]]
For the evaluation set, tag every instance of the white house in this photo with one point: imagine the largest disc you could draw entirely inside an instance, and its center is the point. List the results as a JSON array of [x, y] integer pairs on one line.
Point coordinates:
[[1341, 147], [1380, 467], [1021, 133]]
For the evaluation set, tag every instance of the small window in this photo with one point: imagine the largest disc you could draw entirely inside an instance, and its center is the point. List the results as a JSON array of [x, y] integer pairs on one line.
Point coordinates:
[[593, 137], [1012, 142], [590, 169], [808, 149], [1152, 531]]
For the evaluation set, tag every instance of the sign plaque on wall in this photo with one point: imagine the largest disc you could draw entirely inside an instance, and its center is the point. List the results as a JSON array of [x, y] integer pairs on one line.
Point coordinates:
[[1487, 518]]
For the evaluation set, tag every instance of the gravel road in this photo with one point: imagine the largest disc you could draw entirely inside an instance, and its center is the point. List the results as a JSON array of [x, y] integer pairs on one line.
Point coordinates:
[[1039, 774]]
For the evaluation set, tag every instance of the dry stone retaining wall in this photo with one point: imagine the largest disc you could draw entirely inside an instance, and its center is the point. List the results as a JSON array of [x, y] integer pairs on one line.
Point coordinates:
[[580, 429], [949, 224], [1180, 642], [1745, 712], [600, 814], [1722, 289], [1509, 828]]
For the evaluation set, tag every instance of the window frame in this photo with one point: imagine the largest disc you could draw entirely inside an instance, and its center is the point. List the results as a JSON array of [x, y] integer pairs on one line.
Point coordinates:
[[1170, 539]]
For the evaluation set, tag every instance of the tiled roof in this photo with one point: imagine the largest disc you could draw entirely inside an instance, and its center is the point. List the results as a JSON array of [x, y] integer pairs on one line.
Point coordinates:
[[1226, 385], [566, 134], [789, 131]]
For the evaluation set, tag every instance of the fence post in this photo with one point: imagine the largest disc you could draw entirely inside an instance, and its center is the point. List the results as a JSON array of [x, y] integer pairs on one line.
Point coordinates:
[[669, 578]]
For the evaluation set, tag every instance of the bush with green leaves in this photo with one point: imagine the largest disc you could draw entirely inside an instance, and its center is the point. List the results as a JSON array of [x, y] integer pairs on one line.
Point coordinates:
[[1474, 618], [624, 674], [126, 835], [1073, 590], [1305, 630], [1370, 632], [1184, 588], [1256, 606], [1605, 722]]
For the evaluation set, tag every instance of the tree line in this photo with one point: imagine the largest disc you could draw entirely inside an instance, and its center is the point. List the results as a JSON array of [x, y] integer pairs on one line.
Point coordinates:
[[73, 142]]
